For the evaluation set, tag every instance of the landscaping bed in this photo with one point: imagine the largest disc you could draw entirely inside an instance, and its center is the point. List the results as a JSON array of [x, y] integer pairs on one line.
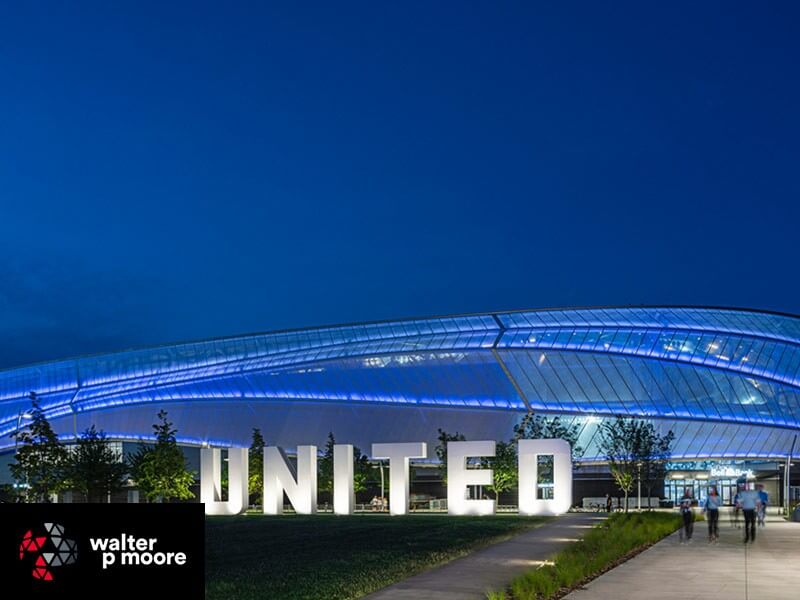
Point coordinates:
[[607, 545]]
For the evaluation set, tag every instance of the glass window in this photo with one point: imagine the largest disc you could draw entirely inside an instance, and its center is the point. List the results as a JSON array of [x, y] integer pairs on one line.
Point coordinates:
[[590, 341], [634, 341], [690, 345], [547, 338], [545, 481], [725, 351], [651, 338], [606, 339], [769, 360], [562, 338], [576, 341], [620, 339], [789, 363], [675, 346]]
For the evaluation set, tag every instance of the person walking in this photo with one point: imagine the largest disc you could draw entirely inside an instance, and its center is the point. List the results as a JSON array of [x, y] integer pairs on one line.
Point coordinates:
[[737, 507], [688, 515], [609, 503], [763, 498], [711, 510], [750, 503]]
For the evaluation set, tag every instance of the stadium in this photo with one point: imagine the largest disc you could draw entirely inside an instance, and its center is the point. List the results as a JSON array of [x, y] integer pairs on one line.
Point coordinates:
[[725, 381]]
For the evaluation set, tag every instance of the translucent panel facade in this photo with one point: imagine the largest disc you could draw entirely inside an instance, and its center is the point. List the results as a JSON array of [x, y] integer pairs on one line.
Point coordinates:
[[727, 382]]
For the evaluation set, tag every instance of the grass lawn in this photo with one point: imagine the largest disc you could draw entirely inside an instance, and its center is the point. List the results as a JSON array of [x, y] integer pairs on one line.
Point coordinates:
[[329, 557]]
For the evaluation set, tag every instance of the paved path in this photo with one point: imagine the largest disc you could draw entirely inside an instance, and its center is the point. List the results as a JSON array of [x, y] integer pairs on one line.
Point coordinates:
[[768, 569], [492, 567]]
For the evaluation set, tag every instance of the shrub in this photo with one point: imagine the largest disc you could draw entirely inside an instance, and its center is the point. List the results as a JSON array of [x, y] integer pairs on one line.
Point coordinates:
[[597, 550]]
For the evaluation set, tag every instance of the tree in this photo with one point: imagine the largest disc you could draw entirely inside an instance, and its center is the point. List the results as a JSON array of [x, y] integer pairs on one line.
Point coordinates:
[[441, 450], [619, 442], [634, 448], [7, 493], [160, 471], [94, 468], [41, 458], [655, 453], [624, 480], [325, 466], [504, 467], [361, 468], [536, 427], [255, 483]]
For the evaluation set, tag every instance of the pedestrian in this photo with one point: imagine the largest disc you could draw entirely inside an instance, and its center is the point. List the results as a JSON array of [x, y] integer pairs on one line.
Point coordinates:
[[763, 497], [711, 509], [750, 503], [737, 507], [688, 515], [609, 503]]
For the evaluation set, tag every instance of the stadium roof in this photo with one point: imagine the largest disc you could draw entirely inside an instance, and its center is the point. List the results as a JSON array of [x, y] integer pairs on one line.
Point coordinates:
[[726, 380]]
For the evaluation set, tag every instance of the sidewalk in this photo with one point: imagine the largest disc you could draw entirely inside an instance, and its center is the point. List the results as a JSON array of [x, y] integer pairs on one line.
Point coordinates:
[[492, 567], [768, 569]]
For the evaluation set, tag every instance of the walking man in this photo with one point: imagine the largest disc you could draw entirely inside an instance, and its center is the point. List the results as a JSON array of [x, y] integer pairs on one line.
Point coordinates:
[[750, 503], [688, 515], [763, 498]]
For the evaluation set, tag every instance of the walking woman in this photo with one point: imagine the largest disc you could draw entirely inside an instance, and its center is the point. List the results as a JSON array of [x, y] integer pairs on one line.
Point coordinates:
[[688, 515], [711, 508]]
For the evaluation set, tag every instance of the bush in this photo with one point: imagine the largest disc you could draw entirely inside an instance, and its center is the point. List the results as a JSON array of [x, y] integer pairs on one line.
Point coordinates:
[[605, 544]]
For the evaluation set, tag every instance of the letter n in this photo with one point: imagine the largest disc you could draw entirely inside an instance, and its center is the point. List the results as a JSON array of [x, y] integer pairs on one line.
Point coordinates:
[[299, 484]]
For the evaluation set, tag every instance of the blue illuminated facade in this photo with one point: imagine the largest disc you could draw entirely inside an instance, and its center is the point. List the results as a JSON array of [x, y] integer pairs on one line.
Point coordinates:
[[726, 381]]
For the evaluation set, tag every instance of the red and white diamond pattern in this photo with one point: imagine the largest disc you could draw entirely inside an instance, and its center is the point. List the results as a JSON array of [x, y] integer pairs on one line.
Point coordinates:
[[61, 550]]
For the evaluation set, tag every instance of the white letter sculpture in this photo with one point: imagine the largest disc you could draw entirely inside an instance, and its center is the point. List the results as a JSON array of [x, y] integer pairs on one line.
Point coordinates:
[[459, 477], [529, 501], [211, 481], [398, 455], [279, 478], [344, 498]]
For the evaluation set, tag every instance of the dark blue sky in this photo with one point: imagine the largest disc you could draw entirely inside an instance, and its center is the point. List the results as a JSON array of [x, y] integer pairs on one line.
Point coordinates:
[[187, 171]]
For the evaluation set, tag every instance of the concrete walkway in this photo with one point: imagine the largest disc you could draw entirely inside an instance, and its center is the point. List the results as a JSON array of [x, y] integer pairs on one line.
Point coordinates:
[[768, 569], [492, 567]]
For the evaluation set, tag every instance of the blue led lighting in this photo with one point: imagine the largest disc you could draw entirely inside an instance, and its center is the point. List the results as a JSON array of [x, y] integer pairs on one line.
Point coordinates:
[[724, 367]]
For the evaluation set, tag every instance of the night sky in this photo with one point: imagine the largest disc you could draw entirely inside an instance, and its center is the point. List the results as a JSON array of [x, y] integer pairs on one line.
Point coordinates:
[[178, 171]]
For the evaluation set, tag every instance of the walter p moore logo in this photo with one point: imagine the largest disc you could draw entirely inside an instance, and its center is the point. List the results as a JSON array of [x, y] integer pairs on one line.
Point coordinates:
[[50, 549], [97, 551]]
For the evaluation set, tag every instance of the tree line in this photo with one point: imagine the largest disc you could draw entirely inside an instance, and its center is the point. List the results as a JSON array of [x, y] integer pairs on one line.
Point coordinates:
[[43, 465], [634, 450]]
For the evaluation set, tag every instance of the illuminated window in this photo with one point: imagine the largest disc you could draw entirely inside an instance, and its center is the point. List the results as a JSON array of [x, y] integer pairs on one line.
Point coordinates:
[[544, 480]]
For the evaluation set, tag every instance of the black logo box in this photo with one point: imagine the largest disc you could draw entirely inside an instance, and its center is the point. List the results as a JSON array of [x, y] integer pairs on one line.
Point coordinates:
[[178, 528]]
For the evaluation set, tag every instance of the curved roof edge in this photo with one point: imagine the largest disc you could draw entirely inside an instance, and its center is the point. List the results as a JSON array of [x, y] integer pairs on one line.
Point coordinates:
[[338, 326]]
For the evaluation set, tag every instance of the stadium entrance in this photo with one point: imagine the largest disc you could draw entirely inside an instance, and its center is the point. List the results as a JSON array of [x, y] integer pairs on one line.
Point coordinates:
[[699, 476]]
